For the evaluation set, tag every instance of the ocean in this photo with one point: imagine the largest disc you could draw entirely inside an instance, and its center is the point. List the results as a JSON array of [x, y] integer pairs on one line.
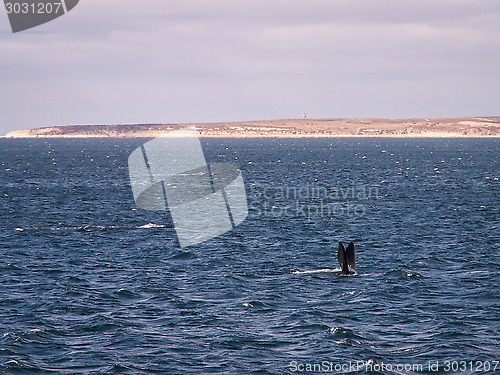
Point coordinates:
[[92, 284]]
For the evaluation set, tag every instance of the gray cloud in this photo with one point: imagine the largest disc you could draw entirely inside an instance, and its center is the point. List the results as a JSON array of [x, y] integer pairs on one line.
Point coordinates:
[[124, 61]]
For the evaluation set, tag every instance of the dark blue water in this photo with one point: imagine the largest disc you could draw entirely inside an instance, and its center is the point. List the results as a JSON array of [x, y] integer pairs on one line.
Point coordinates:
[[92, 285]]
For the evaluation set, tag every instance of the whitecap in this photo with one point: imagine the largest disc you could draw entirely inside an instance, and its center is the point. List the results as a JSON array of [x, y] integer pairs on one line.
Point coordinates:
[[151, 225], [297, 272]]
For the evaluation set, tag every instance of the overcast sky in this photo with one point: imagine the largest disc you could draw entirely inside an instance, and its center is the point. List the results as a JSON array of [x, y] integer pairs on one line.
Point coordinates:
[[171, 61]]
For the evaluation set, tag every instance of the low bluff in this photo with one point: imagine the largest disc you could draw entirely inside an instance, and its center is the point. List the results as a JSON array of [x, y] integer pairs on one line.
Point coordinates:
[[292, 128]]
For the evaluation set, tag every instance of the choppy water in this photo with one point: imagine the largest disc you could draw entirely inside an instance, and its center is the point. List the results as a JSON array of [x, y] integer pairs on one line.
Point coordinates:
[[90, 284]]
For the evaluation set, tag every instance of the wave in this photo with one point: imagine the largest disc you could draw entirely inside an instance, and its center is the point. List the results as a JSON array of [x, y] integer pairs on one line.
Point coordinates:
[[322, 270], [93, 228]]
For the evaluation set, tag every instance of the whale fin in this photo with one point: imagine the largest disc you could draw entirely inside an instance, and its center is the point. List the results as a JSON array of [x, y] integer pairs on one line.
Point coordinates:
[[342, 257], [351, 256]]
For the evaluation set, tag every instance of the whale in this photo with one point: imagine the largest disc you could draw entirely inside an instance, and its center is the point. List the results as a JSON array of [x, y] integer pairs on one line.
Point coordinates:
[[347, 258]]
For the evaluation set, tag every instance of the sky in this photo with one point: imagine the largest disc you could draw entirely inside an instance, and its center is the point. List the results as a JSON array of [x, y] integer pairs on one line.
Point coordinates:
[[186, 61]]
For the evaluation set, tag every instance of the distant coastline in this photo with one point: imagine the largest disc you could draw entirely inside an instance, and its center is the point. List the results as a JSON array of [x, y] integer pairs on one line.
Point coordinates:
[[465, 127]]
